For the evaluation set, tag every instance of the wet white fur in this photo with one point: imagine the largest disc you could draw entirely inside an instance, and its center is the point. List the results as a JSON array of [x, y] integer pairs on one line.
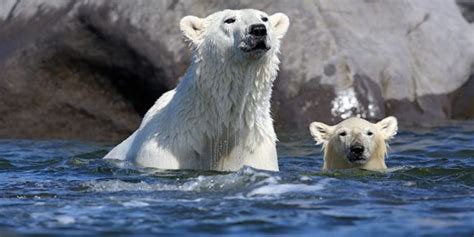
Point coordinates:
[[356, 130], [218, 117]]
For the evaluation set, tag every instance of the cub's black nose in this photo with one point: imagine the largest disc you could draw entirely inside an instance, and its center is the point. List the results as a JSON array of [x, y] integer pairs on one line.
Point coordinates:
[[258, 30], [357, 149]]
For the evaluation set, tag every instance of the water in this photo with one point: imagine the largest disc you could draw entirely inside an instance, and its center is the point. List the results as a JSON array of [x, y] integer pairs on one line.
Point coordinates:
[[64, 188]]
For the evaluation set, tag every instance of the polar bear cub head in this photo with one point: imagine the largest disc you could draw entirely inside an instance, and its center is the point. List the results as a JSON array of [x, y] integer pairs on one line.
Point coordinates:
[[236, 34], [354, 143]]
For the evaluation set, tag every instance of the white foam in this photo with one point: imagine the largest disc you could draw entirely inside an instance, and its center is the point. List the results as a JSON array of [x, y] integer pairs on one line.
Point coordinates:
[[245, 177], [135, 203], [305, 178], [200, 183], [346, 213], [119, 185], [278, 189], [266, 185], [65, 220]]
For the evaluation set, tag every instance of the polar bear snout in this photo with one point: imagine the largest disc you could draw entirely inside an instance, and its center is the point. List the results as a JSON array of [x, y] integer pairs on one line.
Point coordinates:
[[258, 30], [356, 153], [256, 40], [255, 44], [357, 149]]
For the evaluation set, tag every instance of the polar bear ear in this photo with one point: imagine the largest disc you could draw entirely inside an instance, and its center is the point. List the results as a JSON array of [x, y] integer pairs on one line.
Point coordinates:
[[388, 126], [192, 28], [280, 23], [320, 132]]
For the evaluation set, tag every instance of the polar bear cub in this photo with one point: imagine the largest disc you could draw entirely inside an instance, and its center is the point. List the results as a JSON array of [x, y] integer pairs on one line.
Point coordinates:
[[218, 117], [354, 143]]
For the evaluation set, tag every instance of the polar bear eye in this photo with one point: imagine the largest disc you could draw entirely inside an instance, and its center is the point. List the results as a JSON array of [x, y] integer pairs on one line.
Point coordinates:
[[343, 133], [264, 19], [229, 21], [370, 133]]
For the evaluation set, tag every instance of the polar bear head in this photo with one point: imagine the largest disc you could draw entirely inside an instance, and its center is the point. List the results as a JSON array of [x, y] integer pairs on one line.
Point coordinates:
[[236, 34], [354, 142]]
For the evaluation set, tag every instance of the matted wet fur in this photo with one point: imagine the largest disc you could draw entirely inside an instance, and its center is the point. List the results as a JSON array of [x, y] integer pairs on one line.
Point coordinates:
[[218, 117]]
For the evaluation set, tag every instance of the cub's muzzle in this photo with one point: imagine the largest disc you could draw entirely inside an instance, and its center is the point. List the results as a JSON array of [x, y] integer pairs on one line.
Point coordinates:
[[356, 153]]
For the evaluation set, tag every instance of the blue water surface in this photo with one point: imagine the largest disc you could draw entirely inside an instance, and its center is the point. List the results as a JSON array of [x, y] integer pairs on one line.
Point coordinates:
[[64, 188]]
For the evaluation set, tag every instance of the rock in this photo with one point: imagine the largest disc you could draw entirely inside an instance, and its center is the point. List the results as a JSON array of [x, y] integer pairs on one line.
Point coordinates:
[[398, 48], [462, 106], [90, 69], [467, 9]]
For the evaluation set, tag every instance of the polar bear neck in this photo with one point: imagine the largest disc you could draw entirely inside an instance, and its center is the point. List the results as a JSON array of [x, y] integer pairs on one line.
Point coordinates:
[[236, 93], [223, 97]]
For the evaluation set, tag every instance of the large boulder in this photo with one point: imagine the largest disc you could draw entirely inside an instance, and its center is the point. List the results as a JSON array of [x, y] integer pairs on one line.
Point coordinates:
[[90, 69]]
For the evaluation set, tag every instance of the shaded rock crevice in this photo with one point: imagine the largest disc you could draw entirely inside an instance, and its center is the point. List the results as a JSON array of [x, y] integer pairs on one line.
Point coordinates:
[[137, 79], [467, 9], [74, 82], [463, 101]]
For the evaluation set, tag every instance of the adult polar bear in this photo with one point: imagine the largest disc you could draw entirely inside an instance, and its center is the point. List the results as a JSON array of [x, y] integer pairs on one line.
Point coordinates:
[[218, 117]]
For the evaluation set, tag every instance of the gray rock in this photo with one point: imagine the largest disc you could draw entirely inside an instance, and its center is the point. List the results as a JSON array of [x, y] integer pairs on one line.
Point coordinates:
[[467, 9], [90, 69]]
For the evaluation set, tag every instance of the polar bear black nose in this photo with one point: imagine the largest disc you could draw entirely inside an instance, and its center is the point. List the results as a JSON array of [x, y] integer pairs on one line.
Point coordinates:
[[258, 30], [357, 149]]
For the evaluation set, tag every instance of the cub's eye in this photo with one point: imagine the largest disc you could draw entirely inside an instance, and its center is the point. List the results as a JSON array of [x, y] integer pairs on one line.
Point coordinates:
[[342, 134], [370, 133], [264, 19], [229, 21]]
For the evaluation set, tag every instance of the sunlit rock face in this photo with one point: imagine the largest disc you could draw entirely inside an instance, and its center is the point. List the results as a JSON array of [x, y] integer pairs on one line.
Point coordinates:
[[381, 58], [90, 69]]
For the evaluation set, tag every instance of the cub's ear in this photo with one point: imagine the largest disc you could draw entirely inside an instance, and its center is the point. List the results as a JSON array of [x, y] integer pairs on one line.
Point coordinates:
[[320, 132], [192, 28], [280, 23], [388, 126]]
